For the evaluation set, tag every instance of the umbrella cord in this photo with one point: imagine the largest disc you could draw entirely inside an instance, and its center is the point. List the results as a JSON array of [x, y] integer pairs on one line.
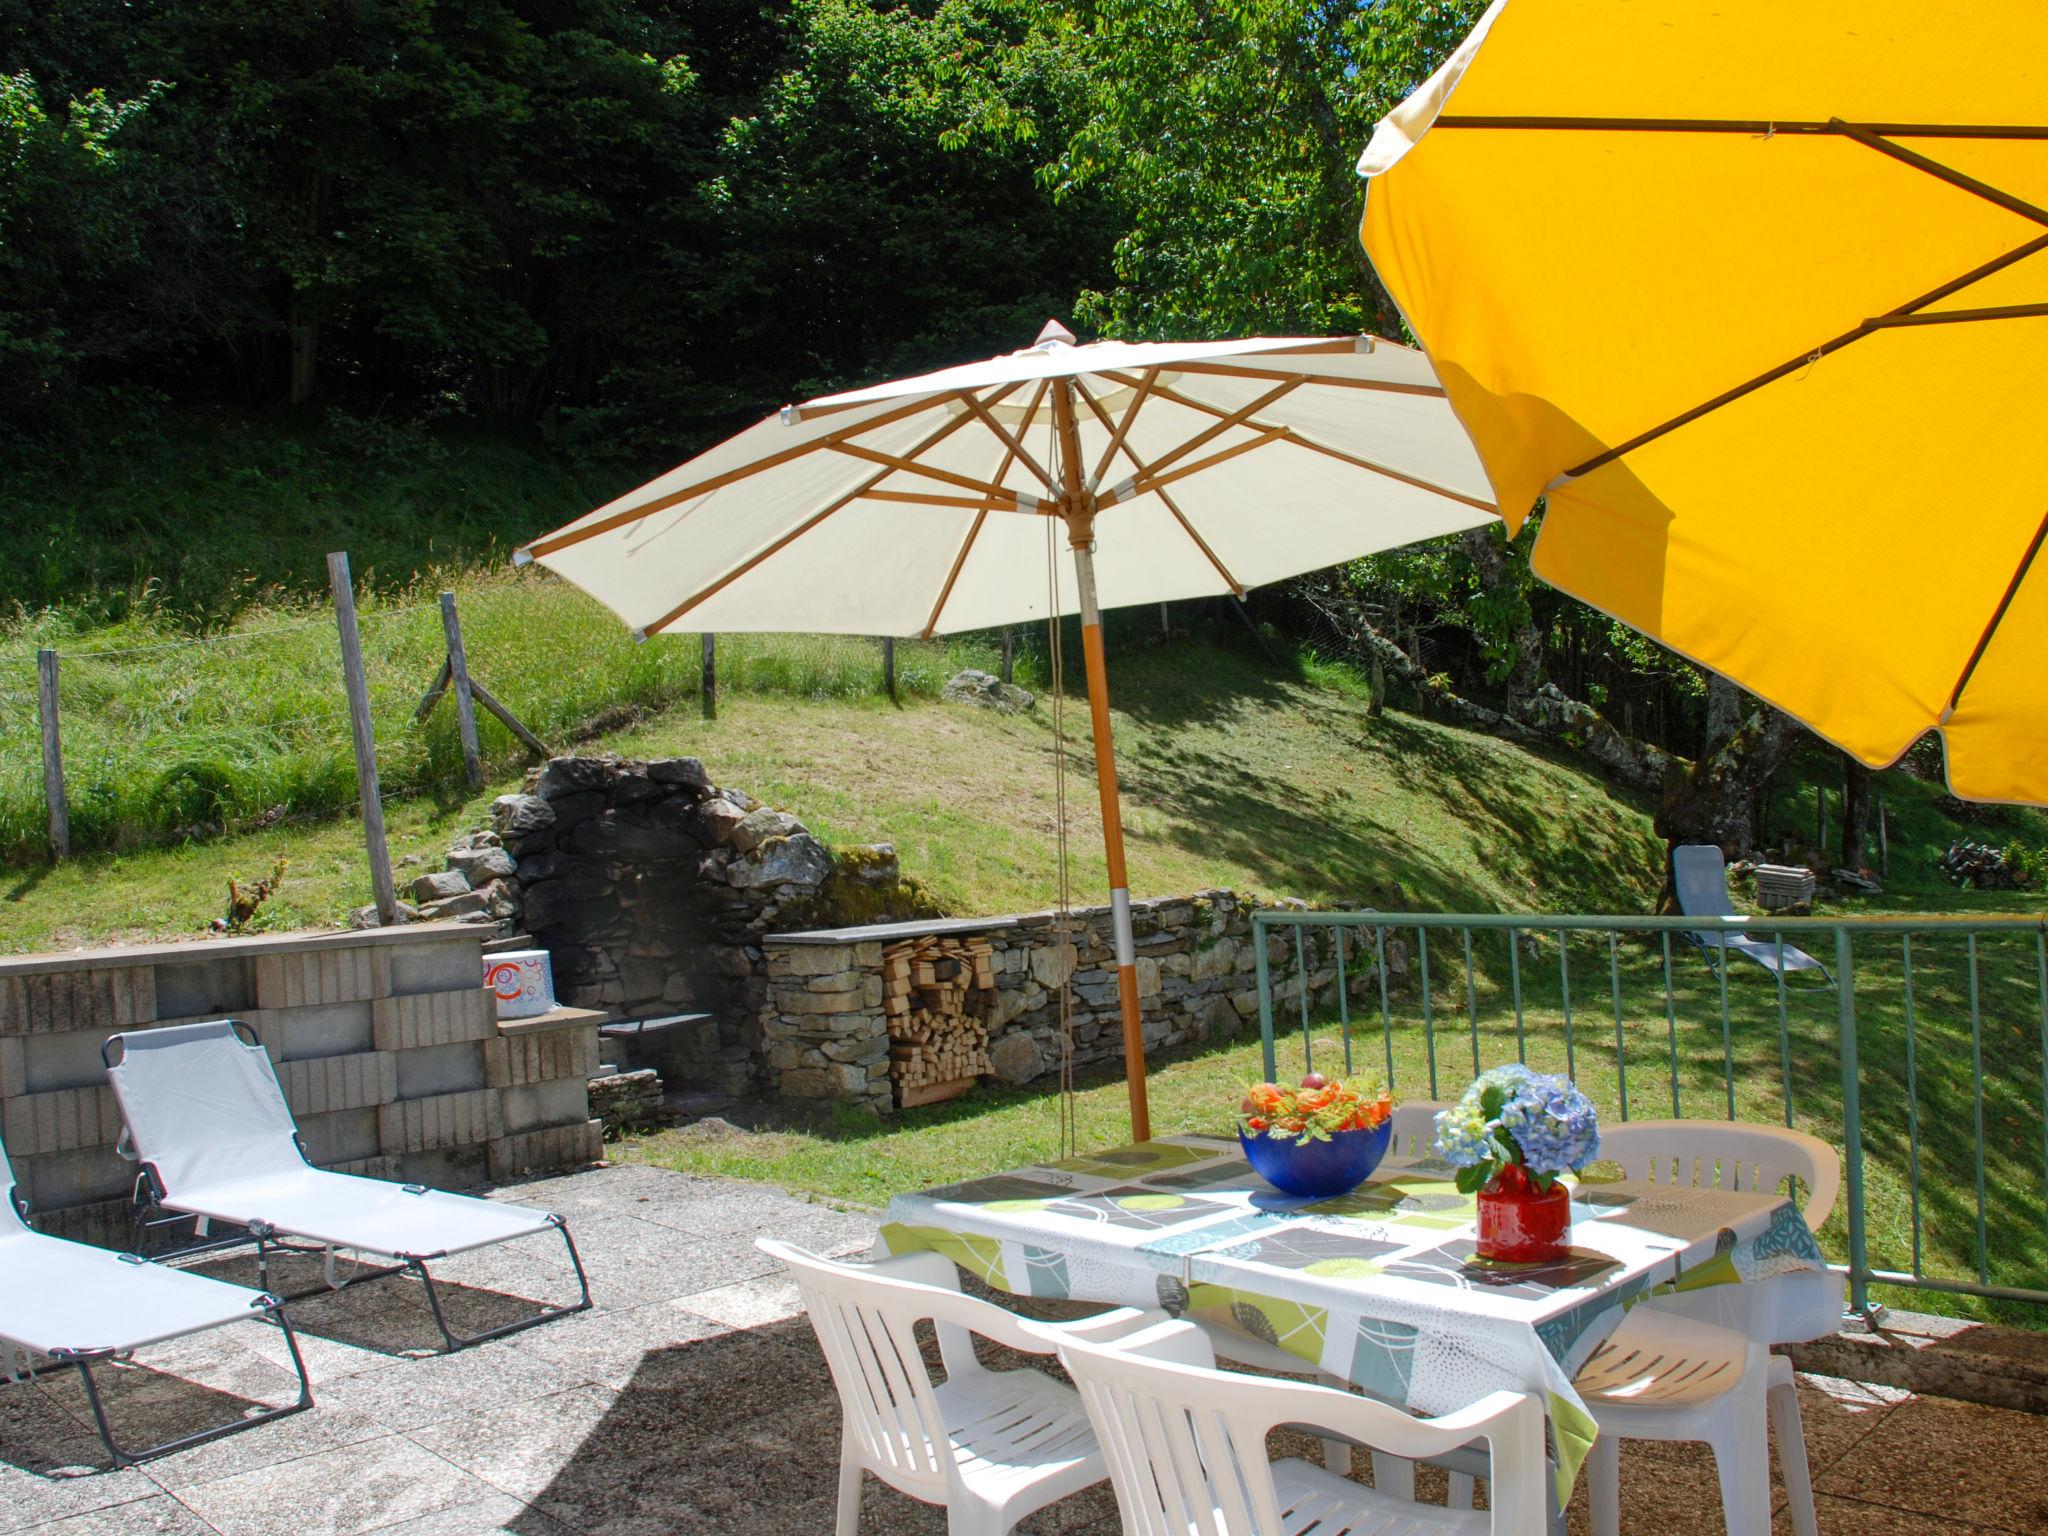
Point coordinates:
[[1062, 921]]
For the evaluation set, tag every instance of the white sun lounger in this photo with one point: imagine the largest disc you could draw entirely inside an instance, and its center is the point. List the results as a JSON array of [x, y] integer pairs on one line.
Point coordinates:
[[209, 1124], [79, 1306]]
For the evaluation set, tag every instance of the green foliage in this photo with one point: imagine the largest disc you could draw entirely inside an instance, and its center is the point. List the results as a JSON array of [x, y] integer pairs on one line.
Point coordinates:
[[64, 222], [1226, 137], [627, 222]]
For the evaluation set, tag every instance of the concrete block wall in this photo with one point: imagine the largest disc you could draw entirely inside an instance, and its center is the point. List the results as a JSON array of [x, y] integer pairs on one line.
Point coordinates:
[[387, 1047]]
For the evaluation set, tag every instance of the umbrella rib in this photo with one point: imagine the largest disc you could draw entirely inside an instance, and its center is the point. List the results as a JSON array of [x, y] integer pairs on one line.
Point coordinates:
[[981, 513], [1754, 127], [931, 441], [1336, 380], [1417, 481], [1964, 316], [1008, 502], [1998, 617], [1224, 422], [1122, 428], [900, 465], [1940, 172], [1015, 451], [562, 540], [1813, 354], [1153, 481], [1237, 587], [1302, 441]]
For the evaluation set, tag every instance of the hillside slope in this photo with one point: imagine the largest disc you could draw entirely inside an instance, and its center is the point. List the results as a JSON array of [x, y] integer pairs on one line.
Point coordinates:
[[1234, 774]]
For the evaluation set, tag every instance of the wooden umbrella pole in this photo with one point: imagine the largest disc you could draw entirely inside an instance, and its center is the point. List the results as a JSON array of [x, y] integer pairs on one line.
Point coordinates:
[[1079, 507]]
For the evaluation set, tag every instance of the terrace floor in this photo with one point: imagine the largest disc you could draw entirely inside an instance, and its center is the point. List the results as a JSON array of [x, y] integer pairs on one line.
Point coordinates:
[[693, 1401]]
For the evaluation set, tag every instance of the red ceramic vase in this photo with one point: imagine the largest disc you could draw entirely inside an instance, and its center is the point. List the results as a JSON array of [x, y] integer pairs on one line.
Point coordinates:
[[1521, 1224]]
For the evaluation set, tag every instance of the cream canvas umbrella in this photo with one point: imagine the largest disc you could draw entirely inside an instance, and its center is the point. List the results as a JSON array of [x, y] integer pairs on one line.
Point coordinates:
[[919, 507]]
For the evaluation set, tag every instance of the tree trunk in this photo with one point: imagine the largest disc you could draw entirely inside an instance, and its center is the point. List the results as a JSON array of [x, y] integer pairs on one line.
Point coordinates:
[[1715, 799], [1377, 705], [1856, 814], [1727, 707], [304, 329], [1490, 562]]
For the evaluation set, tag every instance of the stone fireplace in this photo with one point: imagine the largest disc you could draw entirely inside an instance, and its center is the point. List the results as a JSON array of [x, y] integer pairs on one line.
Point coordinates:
[[759, 960]]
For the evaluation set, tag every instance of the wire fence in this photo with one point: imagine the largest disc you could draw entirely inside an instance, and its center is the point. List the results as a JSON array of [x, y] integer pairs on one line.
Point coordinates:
[[166, 737]]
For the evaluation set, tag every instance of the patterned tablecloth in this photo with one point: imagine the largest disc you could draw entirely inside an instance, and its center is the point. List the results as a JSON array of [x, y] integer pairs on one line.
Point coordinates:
[[1380, 1287]]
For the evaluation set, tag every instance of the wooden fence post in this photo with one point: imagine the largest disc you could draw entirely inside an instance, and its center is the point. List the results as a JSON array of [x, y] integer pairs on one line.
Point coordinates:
[[1009, 656], [889, 665], [365, 740], [465, 702], [53, 755], [707, 690]]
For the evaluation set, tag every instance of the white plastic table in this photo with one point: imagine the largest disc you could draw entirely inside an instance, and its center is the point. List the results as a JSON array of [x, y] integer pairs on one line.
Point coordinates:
[[1381, 1287]]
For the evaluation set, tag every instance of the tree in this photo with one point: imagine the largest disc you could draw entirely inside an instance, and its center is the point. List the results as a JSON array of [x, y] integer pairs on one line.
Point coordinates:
[[66, 220], [1226, 137], [1715, 798], [1858, 814]]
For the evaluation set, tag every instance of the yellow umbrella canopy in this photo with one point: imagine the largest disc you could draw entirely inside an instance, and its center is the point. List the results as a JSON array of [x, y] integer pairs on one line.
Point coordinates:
[[1757, 295]]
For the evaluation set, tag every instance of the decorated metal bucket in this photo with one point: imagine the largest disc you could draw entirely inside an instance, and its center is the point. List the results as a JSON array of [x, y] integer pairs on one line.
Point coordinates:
[[521, 982]]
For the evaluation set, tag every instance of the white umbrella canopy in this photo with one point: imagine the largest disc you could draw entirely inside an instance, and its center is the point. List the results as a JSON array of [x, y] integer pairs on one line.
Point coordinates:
[[1236, 463], [1179, 469]]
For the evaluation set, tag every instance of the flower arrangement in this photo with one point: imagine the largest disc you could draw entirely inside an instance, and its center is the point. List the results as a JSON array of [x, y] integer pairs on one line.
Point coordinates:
[[1514, 1118], [1316, 1111]]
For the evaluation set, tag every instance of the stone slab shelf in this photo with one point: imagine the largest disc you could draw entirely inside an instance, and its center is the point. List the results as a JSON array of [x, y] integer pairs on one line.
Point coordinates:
[[554, 1018], [385, 1042]]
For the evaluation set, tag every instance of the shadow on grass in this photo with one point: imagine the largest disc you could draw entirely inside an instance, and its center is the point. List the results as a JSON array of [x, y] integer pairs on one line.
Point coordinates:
[[1241, 803]]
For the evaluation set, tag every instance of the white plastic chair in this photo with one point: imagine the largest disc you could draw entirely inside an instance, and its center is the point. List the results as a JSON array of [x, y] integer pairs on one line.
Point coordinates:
[[1415, 1127], [1680, 1367], [216, 1140], [1728, 1154], [1186, 1446], [1788, 1309], [79, 1306], [990, 1446], [1668, 1378]]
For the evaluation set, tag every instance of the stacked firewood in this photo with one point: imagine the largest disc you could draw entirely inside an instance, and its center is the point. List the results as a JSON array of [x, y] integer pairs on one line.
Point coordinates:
[[937, 993], [1985, 867]]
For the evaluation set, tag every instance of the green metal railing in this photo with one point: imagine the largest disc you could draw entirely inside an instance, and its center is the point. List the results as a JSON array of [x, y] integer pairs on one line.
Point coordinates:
[[1941, 1022]]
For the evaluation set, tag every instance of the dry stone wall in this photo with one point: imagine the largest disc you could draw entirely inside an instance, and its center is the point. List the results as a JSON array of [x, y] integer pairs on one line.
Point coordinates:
[[659, 894], [825, 1036], [651, 888]]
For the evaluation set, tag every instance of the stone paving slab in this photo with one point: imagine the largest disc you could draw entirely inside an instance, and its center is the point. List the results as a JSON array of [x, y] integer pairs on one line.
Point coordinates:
[[692, 1401]]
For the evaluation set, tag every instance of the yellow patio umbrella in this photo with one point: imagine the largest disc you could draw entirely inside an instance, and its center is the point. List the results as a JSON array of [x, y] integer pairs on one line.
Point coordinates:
[[1757, 295]]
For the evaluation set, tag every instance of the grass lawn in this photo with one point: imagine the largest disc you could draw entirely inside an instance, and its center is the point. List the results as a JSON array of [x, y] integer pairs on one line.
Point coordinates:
[[1233, 775]]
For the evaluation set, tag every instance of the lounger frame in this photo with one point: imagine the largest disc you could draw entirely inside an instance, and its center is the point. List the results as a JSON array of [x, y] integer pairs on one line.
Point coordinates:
[[263, 1308], [1715, 945], [154, 1206]]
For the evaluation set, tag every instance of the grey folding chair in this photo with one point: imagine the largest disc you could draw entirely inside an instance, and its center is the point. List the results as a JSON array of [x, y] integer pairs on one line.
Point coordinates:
[[1699, 874], [79, 1306], [216, 1140]]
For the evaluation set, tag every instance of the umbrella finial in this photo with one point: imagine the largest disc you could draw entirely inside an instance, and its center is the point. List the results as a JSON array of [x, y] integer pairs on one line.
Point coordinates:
[[1053, 331]]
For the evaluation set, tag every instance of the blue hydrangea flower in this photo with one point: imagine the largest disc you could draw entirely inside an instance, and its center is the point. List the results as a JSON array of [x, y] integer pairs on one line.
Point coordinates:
[[1545, 1119]]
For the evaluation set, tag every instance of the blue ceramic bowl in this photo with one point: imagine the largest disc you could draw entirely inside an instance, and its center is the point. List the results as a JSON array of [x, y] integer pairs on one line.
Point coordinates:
[[1319, 1169]]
